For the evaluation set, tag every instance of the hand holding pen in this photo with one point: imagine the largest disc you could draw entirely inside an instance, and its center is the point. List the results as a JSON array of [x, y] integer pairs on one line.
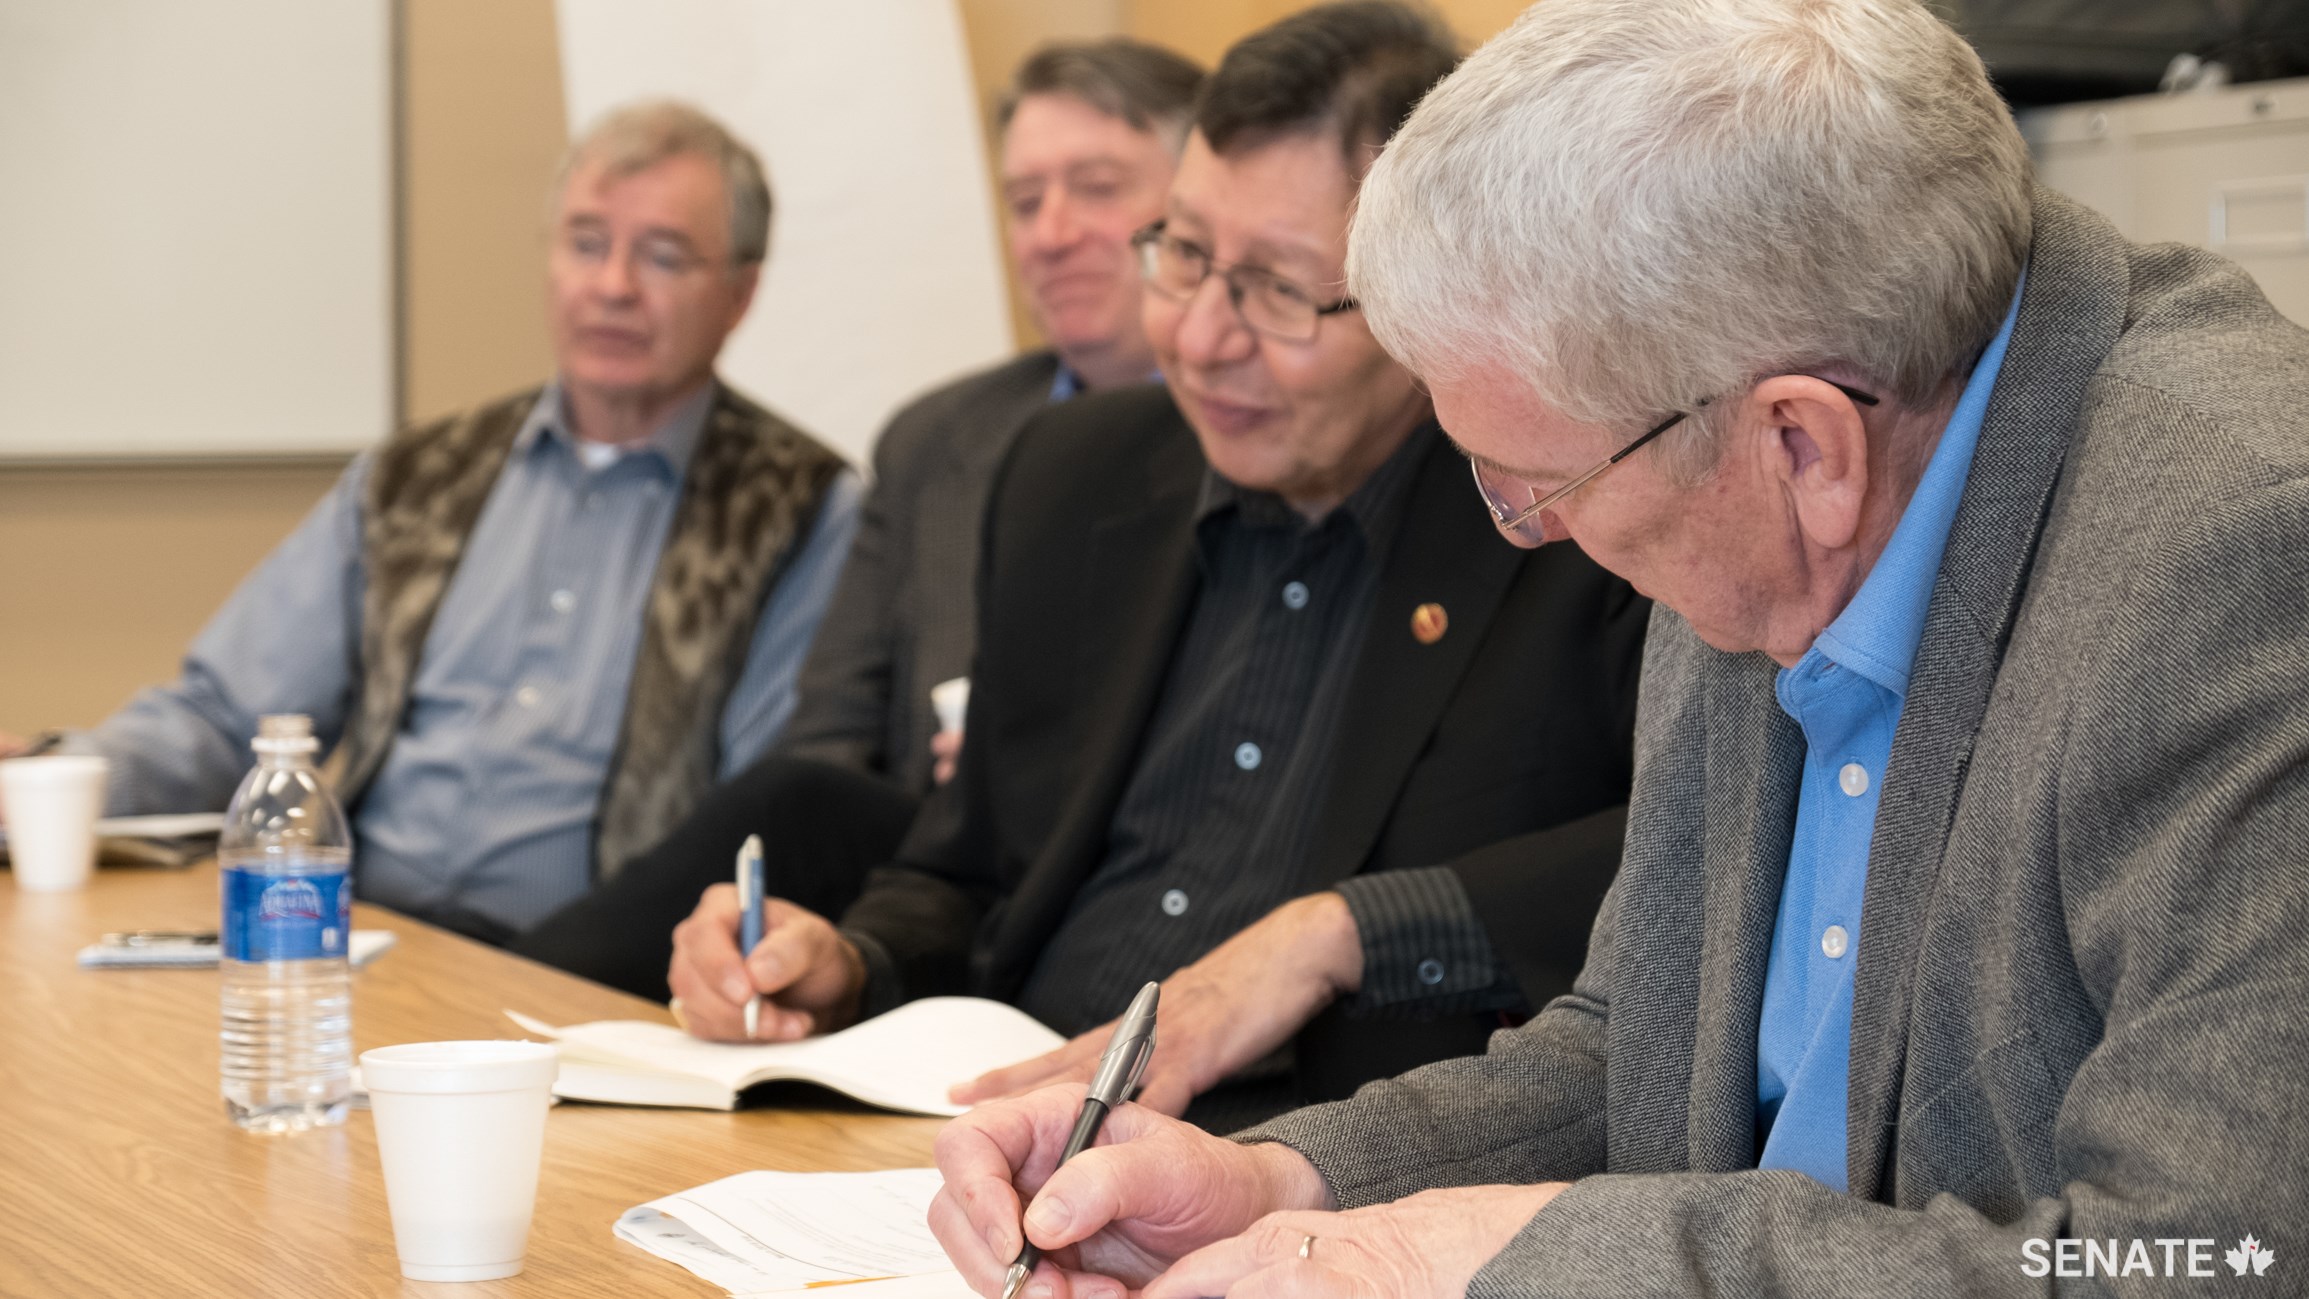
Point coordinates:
[[1119, 1071], [749, 966]]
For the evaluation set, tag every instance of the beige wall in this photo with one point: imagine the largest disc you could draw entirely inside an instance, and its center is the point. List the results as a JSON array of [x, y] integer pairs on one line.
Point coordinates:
[[1001, 32], [107, 572], [482, 130], [1478, 21], [1203, 29]]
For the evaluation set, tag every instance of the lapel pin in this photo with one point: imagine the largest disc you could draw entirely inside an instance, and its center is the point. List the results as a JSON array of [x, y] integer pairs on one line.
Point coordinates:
[[1429, 622]]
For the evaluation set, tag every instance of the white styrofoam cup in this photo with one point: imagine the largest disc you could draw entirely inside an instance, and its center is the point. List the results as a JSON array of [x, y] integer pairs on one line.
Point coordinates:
[[460, 1132], [51, 805]]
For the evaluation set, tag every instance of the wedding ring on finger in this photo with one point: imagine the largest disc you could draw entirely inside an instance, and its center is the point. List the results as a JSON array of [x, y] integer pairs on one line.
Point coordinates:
[[1307, 1248]]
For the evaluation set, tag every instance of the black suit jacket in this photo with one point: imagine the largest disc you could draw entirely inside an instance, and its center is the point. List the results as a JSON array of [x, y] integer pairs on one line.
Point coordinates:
[[1517, 720], [901, 617]]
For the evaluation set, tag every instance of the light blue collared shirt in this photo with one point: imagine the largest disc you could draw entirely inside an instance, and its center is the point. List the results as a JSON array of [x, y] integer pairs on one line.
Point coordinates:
[[485, 802], [1847, 693]]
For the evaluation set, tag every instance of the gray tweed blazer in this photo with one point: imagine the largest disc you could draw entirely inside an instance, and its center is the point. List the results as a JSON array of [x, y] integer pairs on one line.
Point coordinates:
[[2082, 998], [904, 615]]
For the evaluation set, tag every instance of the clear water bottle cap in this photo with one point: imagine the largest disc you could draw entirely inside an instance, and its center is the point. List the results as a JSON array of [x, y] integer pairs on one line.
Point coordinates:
[[285, 733]]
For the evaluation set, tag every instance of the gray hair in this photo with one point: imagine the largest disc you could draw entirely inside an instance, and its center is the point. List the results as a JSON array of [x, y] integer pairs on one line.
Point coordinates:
[[1146, 87], [1640, 205], [637, 136]]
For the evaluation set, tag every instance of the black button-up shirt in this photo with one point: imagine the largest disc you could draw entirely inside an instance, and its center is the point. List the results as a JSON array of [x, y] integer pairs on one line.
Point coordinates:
[[1211, 831]]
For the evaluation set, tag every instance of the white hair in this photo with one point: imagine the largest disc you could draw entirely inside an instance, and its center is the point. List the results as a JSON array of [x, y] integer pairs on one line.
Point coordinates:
[[637, 136], [1641, 205]]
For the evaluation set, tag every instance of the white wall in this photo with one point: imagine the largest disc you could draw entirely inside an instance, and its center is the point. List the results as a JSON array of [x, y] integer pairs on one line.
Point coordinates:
[[2224, 169], [195, 227], [884, 274]]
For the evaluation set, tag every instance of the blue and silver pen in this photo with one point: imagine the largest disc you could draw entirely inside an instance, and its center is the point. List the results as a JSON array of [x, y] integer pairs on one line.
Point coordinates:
[[751, 887], [1119, 1072]]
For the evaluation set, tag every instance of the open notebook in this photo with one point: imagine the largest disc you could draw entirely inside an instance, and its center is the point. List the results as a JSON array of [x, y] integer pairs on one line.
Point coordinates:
[[904, 1060]]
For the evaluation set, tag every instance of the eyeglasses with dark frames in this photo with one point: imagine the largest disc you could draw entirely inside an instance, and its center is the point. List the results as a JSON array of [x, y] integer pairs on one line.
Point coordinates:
[[1520, 522], [1268, 303]]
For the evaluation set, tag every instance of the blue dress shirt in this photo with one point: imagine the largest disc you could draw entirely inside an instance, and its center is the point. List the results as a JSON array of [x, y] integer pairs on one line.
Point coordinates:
[[485, 803], [1846, 693]]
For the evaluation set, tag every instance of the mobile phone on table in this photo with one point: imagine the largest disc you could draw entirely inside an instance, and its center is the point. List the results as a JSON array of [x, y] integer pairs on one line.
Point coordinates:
[[191, 948], [152, 947]]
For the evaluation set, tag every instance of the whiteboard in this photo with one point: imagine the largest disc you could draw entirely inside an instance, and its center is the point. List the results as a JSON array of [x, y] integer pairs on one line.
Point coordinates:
[[884, 274], [195, 227]]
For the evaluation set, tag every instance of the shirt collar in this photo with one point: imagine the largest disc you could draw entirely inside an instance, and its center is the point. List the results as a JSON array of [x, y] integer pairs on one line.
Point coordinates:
[[1375, 507], [1877, 634], [1066, 384], [671, 443]]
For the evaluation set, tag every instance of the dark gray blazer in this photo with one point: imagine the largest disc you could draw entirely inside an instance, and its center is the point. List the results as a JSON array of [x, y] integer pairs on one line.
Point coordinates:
[[901, 620], [2082, 999]]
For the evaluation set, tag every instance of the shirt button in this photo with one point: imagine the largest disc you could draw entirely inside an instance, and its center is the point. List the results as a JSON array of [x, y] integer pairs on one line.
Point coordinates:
[[1174, 903], [1853, 779], [1431, 971], [1834, 942], [563, 600], [527, 696], [1247, 756], [1294, 595]]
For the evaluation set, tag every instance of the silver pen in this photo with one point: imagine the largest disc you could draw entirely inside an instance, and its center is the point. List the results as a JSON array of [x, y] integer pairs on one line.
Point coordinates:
[[1119, 1071], [751, 904]]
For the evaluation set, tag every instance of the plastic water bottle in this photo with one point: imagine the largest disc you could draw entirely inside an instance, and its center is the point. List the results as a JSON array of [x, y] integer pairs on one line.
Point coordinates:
[[287, 858]]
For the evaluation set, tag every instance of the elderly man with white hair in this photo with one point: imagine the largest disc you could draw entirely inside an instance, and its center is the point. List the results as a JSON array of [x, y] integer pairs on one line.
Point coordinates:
[[1962, 937]]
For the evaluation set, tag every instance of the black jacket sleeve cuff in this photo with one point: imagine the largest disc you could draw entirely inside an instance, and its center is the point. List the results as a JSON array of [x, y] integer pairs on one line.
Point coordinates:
[[1424, 950]]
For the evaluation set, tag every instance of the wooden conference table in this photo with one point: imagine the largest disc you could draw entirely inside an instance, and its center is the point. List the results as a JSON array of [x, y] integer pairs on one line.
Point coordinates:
[[120, 1175]]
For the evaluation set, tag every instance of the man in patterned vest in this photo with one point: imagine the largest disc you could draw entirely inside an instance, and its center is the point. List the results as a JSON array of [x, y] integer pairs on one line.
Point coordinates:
[[535, 632], [1090, 137]]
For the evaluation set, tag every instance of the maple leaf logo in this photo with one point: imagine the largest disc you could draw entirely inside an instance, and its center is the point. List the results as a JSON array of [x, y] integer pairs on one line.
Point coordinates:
[[2250, 1253]]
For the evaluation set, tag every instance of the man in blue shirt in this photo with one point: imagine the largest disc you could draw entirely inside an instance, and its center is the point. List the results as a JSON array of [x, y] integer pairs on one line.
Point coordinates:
[[1961, 923], [534, 633]]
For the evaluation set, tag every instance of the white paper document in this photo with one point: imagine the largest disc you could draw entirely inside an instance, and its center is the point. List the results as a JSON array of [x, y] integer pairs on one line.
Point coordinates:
[[771, 1233]]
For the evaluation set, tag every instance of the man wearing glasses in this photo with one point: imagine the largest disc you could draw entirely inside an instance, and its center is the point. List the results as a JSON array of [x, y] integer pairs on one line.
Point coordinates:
[[536, 633], [1961, 942], [1260, 706]]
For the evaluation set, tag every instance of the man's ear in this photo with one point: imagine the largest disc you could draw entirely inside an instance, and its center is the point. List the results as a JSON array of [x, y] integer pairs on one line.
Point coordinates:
[[1816, 446], [747, 278]]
